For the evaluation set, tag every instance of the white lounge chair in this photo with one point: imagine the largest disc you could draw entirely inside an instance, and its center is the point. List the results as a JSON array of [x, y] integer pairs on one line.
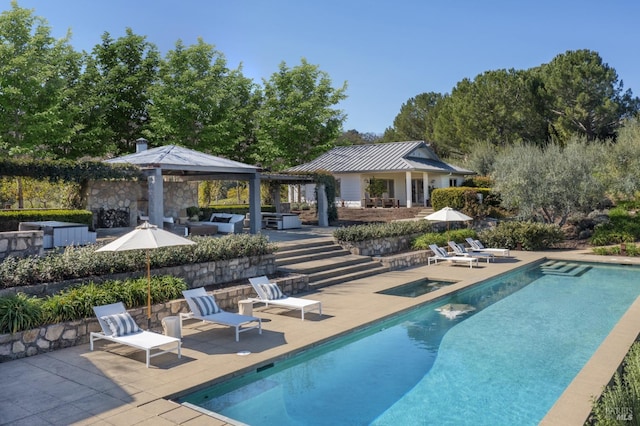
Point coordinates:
[[118, 326], [441, 254], [241, 323], [477, 246], [460, 250], [270, 294]]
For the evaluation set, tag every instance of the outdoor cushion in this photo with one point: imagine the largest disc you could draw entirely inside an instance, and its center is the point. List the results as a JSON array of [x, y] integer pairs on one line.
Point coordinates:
[[121, 324], [221, 219], [206, 305], [272, 291]]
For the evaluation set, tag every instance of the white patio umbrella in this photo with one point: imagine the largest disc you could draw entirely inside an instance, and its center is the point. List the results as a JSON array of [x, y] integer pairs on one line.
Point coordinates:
[[146, 237], [447, 214]]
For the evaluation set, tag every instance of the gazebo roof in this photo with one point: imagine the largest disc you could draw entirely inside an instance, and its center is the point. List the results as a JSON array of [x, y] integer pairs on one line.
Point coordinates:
[[177, 160]]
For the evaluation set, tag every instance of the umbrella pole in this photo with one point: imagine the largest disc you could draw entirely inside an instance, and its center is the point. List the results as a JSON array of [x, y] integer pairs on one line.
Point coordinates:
[[148, 292]]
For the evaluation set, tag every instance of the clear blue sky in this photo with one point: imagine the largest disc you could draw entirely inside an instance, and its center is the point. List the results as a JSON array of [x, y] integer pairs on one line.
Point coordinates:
[[386, 51]]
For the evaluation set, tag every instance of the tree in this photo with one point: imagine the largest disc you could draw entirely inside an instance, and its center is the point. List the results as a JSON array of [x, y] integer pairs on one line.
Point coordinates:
[[416, 119], [35, 73], [481, 158], [622, 173], [552, 182], [117, 80], [353, 137], [498, 106], [200, 103], [296, 121], [582, 95]]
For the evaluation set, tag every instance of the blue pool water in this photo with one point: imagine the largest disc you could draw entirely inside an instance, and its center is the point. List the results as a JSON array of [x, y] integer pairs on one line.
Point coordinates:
[[504, 363]]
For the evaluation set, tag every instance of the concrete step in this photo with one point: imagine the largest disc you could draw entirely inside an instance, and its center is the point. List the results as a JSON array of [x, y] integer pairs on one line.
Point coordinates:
[[324, 264], [305, 258], [316, 242], [311, 250], [349, 276], [347, 268]]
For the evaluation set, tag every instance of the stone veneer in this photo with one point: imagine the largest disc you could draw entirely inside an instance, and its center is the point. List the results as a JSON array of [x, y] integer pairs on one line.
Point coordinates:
[[133, 195], [72, 333], [21, 244], [379, 246]]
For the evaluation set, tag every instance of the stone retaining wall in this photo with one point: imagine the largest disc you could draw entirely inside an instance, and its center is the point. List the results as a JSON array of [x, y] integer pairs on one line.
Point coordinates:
[[405, 260], [379, 246], [63, 335], [21, 244]]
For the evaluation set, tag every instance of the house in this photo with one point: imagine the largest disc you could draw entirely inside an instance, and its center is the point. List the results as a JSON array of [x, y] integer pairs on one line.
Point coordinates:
[[406, 171]]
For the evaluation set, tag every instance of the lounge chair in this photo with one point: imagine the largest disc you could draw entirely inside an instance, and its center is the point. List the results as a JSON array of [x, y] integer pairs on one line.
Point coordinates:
[[270, 294], [441, 254], [119, 327], [208, 311], [461, 250], [476, 246]]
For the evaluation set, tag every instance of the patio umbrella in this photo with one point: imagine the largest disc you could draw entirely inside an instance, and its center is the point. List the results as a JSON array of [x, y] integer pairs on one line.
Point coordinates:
[[448, 215], [146, 237]]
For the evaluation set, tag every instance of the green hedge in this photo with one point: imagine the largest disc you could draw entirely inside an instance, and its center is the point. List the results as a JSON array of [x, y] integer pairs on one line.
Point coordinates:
[[21, 312], [10, 219], [82, 262], [359, 233], [454, 197]]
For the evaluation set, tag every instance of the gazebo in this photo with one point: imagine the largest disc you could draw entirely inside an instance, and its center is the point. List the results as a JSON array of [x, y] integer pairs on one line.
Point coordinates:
[[189, 165]]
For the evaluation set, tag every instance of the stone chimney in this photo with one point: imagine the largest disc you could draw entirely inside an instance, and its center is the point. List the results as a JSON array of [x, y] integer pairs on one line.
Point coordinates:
[[141, 145]]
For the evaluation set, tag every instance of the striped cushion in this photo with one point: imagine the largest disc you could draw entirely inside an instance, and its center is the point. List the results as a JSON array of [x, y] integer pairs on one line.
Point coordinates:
[[206, 305], [272, 291], [121, 324]]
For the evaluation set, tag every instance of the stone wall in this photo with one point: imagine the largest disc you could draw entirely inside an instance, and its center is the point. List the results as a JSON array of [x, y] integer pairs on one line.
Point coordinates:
[[405, 260], [134, 197], [63, 335], [21, 244], [379, 246]]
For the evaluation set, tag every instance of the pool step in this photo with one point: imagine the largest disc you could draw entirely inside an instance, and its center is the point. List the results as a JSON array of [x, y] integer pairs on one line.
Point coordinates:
[[565, 269]]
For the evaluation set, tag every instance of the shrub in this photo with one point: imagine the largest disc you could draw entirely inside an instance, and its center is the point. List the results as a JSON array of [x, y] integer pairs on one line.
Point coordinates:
[[19, 312], [620, 402], [531, 235], [80, 262], [359, 233], [621, 228], [442, 239]]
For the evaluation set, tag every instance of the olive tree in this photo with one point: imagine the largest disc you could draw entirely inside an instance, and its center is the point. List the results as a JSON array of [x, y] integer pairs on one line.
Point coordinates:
[[552, 182]]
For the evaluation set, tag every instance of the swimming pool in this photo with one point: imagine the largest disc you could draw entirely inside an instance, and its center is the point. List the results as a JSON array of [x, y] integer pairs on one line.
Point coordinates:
[[506, 362]]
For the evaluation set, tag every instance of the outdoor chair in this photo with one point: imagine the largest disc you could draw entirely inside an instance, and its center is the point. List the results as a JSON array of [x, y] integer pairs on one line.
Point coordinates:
[[203, 307], [476, 246], [270, 294], [460, 250], [441, 254], [119, 327]]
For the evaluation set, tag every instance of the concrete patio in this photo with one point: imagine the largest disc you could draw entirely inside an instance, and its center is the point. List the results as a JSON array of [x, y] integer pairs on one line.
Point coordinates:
[[111, 386]]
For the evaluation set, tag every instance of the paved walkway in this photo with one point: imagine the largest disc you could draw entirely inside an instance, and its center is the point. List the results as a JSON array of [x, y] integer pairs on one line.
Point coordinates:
[[111, 386]]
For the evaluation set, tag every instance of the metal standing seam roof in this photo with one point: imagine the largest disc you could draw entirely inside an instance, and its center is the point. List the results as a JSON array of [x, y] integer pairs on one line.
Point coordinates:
[[173, 157], [387, 157]]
